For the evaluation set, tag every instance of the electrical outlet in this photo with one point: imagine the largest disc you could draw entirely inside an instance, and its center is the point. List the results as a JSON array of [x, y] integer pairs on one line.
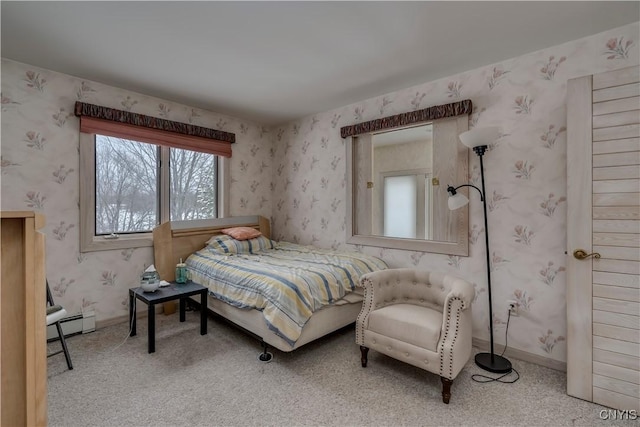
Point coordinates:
[[513, 308]]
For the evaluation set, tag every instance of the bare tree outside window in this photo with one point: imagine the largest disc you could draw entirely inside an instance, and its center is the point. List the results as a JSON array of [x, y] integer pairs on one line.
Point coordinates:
[[126, 186], [128, 190], [193, 185]]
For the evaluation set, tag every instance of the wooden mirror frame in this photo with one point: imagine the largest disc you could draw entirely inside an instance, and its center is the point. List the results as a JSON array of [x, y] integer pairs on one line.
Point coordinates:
[[460, 109]]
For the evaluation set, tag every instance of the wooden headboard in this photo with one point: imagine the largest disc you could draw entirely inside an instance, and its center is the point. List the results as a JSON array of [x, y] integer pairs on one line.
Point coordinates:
[[174, 240]]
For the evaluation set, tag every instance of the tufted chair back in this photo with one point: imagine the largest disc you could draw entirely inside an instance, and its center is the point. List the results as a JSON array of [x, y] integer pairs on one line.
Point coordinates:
[[419, 317]]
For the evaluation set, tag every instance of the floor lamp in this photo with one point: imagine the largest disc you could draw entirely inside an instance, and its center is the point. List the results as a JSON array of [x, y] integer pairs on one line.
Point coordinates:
[[477, 139]]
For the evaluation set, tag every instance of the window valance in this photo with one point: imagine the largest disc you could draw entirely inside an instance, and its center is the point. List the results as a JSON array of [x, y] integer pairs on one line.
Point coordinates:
[[432, 113], [154, 130]]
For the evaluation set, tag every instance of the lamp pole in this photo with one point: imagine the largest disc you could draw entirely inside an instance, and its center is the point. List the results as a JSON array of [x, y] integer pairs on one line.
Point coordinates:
[[487, 361]]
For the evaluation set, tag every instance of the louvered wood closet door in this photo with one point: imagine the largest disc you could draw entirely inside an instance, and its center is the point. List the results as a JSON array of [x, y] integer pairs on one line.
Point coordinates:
[[603, 295]]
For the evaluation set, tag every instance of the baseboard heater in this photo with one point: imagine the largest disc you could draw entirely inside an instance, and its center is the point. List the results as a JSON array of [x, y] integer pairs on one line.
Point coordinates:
[[80, 323]]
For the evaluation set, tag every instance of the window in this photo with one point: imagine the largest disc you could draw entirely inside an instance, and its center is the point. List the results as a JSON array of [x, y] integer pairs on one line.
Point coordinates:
[[406, 203], [127, 196], [138, 171], [400, 200], [138, 185], [193, 182]]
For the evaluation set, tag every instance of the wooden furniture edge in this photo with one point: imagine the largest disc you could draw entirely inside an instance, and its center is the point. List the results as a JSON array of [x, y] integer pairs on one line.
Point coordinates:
[[29, 242]]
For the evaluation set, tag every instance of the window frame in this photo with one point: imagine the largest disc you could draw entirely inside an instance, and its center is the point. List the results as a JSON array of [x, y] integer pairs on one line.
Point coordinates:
[[89, 241]]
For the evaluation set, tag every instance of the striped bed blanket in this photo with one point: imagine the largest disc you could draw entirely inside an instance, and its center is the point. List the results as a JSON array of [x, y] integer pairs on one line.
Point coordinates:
[[287, 283]]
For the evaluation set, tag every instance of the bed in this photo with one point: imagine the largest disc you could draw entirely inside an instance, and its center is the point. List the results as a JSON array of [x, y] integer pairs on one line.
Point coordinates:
[[325, 310]]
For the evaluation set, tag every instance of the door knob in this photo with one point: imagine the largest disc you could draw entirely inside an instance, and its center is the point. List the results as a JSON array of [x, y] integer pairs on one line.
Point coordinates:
[[582, 254]]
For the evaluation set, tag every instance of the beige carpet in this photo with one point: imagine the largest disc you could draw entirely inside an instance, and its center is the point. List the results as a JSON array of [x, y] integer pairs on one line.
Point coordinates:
[[216, 379]]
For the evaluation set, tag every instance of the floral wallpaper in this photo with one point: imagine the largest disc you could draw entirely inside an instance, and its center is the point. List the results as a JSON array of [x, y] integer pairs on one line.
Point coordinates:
[[295, 173], [39, 172], [525, 174]]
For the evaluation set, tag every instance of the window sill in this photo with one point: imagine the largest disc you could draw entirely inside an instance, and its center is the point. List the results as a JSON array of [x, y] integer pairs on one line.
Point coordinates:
[[99, 243]]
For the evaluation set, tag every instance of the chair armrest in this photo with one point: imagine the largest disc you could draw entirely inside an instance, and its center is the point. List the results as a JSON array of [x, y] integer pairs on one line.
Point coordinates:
[[456, 335], [456, 303], [460, 289]]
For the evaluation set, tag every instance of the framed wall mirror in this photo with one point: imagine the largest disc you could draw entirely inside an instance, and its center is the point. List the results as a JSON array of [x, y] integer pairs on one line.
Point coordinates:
[[398, 169]]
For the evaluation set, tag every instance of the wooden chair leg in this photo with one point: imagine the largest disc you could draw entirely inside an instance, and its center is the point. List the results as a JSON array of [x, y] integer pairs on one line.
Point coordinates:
[[446, 389], [364, 351]]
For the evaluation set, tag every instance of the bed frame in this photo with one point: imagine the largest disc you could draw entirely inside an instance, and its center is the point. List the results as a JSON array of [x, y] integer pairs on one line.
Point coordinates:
[[175, 240]]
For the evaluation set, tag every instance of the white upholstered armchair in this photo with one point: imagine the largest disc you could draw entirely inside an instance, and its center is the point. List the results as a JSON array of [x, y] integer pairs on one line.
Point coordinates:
[[418, 317]]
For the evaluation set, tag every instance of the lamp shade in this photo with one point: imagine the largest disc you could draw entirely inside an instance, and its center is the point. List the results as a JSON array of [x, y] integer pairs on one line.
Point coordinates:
[[477, 137], [457, 201]]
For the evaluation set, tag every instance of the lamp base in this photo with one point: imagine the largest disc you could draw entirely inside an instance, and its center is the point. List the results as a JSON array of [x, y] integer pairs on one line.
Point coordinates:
[[499, 364]]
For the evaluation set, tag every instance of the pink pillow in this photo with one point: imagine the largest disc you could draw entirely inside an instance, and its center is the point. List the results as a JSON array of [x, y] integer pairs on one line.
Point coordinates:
[[241, 233]]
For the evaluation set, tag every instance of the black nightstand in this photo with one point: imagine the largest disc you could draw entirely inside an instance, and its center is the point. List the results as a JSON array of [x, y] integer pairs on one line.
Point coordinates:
[[164, 294]]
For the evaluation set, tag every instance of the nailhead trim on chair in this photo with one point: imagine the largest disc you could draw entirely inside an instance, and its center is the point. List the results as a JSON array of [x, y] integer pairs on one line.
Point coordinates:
[[449, 355], [367, 304]]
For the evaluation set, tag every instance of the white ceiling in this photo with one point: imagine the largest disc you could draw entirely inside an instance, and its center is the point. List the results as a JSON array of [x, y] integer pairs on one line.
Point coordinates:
[[276, 61]]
